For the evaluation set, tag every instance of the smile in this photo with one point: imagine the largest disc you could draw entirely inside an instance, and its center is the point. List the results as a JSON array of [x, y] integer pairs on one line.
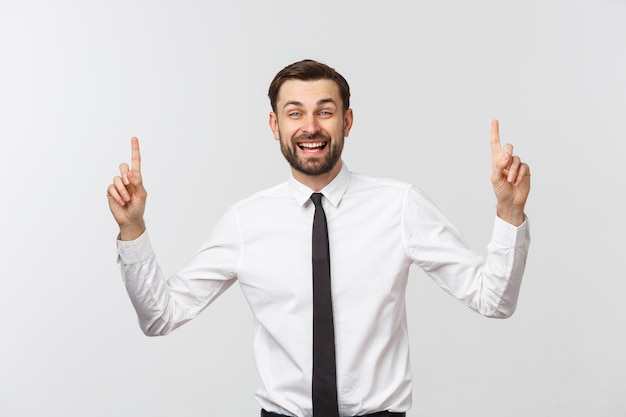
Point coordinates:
[[312, 146]]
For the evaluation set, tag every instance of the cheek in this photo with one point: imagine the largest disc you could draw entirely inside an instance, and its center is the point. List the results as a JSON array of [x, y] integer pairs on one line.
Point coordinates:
[[339, 130], [286, 130]]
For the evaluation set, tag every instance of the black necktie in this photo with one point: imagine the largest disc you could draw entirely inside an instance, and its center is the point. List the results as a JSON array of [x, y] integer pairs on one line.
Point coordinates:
[[324, 368]]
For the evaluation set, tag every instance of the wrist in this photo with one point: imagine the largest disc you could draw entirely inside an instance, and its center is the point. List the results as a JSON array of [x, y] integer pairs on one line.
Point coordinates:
[[511, 214], [132, 231]]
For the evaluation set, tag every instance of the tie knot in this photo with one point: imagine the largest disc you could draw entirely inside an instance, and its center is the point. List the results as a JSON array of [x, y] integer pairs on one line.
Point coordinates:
[[317, 199]]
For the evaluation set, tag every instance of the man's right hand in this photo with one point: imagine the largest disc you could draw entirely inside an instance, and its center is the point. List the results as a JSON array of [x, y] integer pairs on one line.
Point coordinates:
[[127, 197]]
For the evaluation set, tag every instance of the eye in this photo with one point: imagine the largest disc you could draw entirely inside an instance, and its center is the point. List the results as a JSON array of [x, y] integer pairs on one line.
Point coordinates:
[[294, 114], [325, 113]]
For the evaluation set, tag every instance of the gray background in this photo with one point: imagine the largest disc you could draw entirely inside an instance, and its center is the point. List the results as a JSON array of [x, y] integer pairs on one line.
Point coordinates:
[[189, 78]]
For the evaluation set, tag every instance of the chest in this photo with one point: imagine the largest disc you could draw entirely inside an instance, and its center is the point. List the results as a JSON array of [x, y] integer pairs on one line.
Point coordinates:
[[366, 251]]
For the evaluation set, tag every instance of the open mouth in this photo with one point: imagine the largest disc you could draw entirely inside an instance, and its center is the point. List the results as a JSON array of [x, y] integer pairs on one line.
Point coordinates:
[[312, 147]]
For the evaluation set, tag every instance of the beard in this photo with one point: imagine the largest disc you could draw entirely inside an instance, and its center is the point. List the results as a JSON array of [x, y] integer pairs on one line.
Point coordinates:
[[312, 166]]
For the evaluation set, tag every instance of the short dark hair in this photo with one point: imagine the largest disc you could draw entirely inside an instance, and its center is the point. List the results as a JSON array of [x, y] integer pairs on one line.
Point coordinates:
[[309, 70]]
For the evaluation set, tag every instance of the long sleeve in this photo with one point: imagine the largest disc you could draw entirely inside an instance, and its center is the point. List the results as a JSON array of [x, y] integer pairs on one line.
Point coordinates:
[[489, 286], [163, 304], [377, 228]]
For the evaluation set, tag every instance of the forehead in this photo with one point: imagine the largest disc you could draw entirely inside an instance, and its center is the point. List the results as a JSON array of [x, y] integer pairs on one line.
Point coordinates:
[[308, 92]]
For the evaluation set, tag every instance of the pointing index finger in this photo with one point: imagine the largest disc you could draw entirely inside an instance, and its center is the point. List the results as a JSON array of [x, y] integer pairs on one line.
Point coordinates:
[[135, 164], [496, 148]]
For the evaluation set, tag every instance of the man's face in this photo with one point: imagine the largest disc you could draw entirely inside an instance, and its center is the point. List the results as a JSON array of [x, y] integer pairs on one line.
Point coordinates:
[[310, 124]]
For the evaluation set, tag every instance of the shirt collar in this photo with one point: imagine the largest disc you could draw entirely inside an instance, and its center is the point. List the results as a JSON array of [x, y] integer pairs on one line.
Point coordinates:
[[333, 192]]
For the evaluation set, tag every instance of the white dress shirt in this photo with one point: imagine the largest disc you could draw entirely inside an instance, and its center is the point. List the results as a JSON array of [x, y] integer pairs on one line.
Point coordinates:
[[377, 229]]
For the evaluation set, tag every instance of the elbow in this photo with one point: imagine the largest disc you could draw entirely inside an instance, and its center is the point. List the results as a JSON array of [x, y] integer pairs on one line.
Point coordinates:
[[500, 313], [156, 328], [497, 306], [501, 316], [150, 333]]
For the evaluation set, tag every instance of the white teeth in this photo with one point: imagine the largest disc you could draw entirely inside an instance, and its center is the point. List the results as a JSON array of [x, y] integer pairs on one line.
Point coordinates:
[[312, 145]]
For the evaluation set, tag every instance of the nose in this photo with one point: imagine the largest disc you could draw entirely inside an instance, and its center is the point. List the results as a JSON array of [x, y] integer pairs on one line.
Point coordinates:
[[310, 125]]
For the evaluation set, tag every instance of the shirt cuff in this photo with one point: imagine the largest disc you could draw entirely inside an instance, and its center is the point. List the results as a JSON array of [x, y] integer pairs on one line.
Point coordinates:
[[506, 234], [134, 251]]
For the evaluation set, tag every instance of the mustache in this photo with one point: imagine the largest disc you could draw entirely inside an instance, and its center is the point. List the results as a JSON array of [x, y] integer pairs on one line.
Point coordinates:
[[311, 137]]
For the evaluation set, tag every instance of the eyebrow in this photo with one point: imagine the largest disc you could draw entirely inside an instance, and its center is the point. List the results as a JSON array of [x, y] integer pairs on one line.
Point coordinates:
[[319, 102]]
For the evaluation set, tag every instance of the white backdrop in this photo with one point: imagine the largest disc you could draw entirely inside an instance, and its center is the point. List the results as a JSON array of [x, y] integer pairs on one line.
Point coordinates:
[[189, 78]]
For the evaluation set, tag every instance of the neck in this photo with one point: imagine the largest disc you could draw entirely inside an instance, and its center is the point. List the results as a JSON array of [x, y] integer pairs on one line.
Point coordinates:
[[317, 182]]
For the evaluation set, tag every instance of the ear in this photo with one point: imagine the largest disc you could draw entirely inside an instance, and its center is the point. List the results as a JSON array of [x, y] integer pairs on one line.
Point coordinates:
[[274, 125], [348, 118]]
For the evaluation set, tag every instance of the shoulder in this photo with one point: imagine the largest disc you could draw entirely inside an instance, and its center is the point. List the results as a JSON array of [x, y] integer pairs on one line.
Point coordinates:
[[389, 190], [361, 182], [268, 196]]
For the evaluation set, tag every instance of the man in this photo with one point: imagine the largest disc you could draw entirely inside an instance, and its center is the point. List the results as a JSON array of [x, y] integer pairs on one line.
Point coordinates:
[[376, 228]]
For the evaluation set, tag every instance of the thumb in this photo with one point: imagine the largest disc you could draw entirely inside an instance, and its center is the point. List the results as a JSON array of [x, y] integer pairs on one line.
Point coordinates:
[[502, 161]]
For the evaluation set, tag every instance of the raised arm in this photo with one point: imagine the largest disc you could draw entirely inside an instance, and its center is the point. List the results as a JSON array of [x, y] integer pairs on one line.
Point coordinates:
[[510, 178], [127, 197]]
